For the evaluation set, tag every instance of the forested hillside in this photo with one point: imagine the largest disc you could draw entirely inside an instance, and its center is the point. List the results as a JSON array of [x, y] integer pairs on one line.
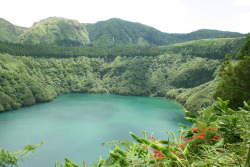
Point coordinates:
[[58, 55], [31, 74], [10, 32], [55, 31], [210, 48], [110, 33], [115, 32]]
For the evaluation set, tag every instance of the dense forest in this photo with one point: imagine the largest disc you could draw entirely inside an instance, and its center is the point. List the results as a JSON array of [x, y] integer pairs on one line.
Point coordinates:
[[31, 74]]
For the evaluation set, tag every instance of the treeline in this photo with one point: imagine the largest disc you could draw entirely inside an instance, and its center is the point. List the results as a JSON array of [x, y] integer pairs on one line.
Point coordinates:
[[31, 74], [209, 48], [28, 80], [48, 51], [235, 84]]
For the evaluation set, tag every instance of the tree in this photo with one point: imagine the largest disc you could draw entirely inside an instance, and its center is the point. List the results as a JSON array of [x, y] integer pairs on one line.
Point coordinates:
[[235, 83]]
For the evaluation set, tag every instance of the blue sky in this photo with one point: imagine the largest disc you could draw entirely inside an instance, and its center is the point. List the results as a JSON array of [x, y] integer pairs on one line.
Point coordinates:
[[172, 16]]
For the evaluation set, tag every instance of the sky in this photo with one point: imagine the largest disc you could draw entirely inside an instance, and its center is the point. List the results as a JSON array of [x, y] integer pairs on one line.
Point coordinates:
[[171, 16]]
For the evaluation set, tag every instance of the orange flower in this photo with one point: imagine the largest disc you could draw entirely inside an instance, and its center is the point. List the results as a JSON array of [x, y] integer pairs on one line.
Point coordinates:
[[201, 137]]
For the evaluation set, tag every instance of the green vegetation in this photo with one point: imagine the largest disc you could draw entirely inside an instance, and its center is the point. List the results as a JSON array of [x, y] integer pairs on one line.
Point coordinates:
[[235, 84], [206, 34], [117, 32], [9, 32], [13, 158], [49, 51], [34, 74], [27, 80], [209, 48], [55, 31], [219, 136], [111, 33], [185, 72]]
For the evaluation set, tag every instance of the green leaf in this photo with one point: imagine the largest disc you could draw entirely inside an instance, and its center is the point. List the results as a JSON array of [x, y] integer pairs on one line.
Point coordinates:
[[135, 137], [248, 158], [146, 141], [220, 143], [116, 157], [184, 126], [190, 119], [101, 161], [169, 153], [56, 164], [166, 142], [68, 161], [246, 106], [120, 151], [68, 164], [190, 114]]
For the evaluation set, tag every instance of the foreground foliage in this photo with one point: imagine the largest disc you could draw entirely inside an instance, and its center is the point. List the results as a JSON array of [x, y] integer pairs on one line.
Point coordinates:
[[13, 158]]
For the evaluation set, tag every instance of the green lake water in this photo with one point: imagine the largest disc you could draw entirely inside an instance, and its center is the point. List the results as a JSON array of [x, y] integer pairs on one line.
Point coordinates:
[[76, 125]]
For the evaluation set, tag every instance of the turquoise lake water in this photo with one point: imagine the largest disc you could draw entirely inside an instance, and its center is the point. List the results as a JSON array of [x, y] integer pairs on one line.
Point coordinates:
[[75, 125]]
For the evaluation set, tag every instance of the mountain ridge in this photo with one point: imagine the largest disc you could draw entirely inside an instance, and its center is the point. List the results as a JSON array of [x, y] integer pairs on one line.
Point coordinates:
[[107, 33], [9, 32]]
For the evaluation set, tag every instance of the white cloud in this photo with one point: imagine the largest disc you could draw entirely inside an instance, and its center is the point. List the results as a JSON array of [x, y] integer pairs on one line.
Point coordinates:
[[241, 22], [242, 3]]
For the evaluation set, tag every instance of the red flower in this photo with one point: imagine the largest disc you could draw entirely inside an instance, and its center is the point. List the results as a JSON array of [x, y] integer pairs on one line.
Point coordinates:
[[201, 137], [194, 129], [216, 137]]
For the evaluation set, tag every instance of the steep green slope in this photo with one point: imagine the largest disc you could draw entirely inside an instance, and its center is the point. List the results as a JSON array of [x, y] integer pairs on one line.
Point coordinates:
[[9, 32], [26, 80], [55, 31], [109, 33], [115, 32], [205, 34], [209, 48], [185, 78]]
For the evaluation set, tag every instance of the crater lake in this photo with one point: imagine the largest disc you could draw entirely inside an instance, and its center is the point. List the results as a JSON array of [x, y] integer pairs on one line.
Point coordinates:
[[75, 125]]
